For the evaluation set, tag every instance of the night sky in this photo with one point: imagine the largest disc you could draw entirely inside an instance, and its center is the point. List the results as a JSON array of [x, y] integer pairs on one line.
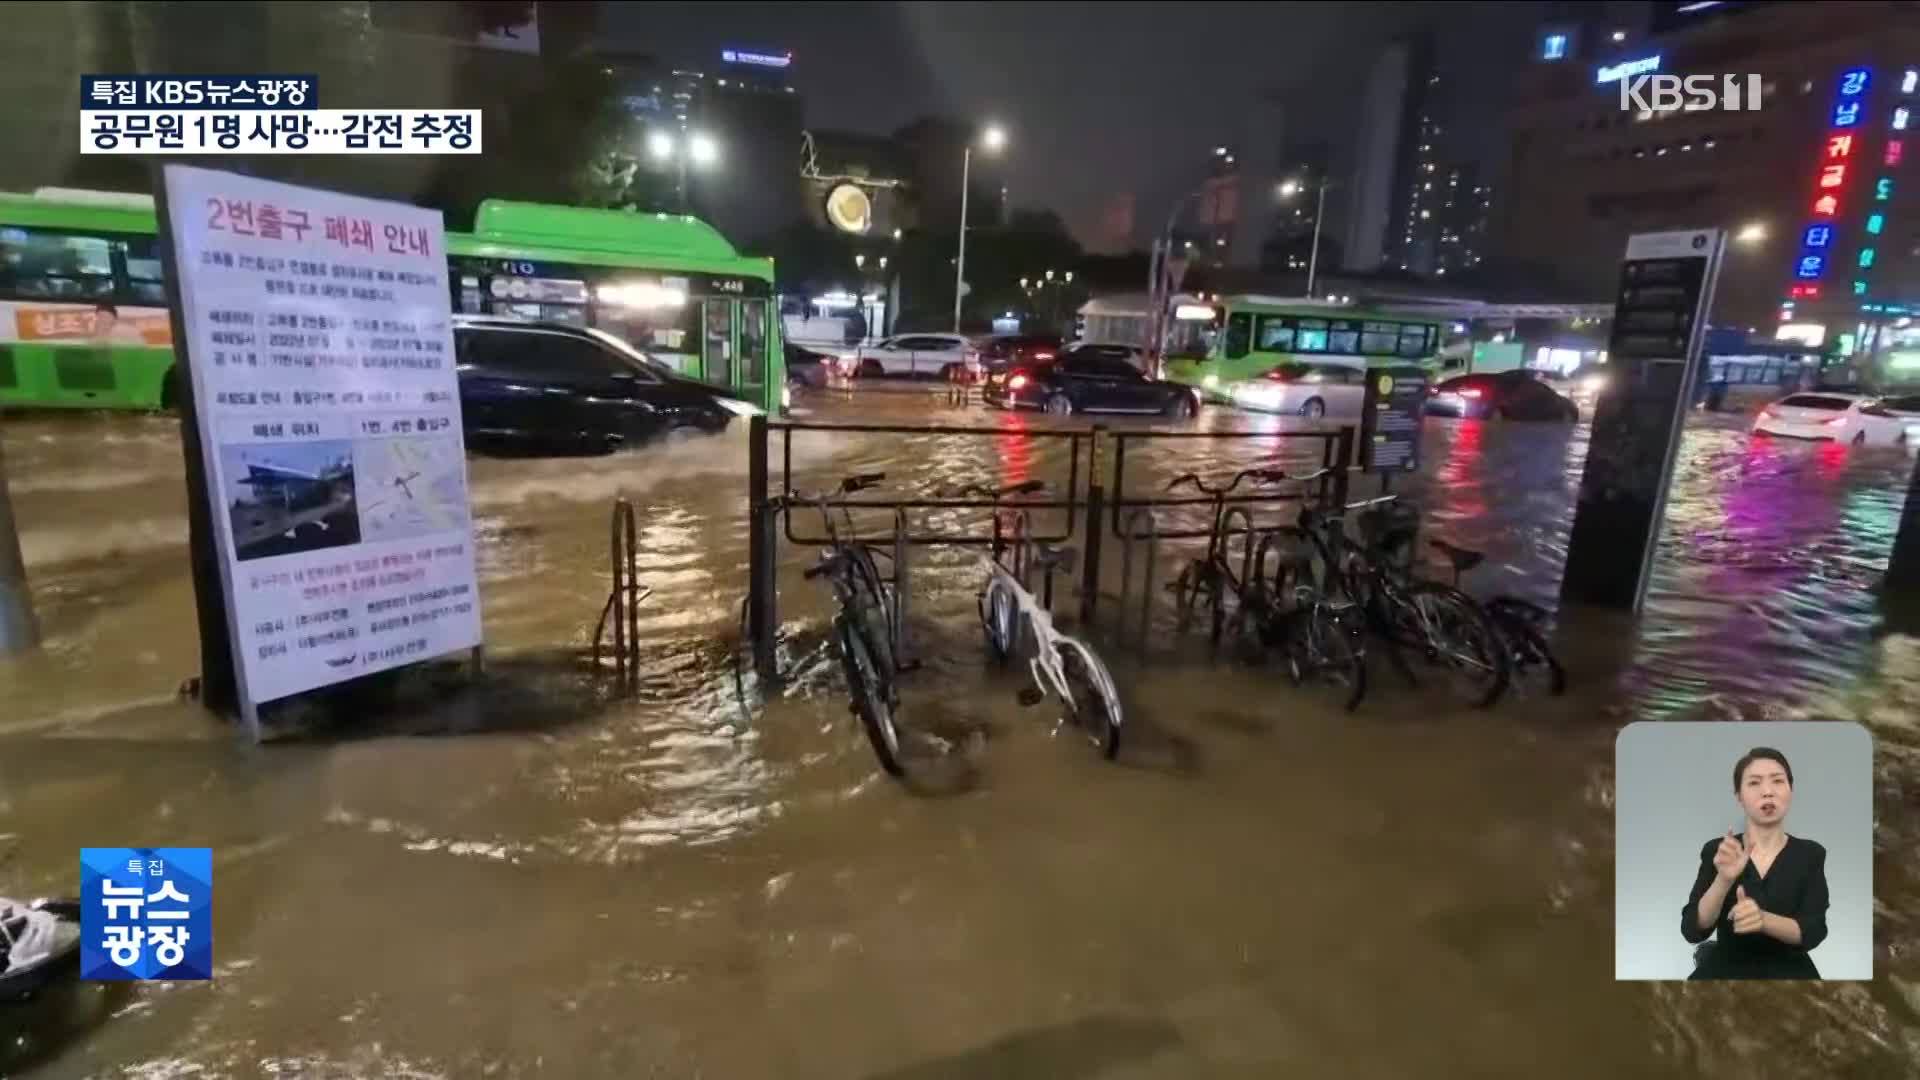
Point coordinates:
[[1098, 98]]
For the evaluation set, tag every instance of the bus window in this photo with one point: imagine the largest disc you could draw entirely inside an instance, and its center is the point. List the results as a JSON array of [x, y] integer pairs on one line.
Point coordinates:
[[41, 265], [1379, 338], [1239, 335], [145, 283], [753, 341], [1413, 341], [1276, 334], [1312, 336], [719, 351], [1344, 338]]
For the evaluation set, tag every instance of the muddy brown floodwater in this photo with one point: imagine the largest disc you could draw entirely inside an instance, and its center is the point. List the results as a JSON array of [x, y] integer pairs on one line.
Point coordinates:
[[557, 881]]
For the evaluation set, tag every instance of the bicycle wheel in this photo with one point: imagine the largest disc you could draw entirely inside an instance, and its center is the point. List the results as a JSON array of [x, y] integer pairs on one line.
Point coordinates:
[[998, 617], [1326, 646], [868, 596], [1533, 665], [872, 691], [1190, 589], [1096, 702], [1256, 622], [1454, 634]]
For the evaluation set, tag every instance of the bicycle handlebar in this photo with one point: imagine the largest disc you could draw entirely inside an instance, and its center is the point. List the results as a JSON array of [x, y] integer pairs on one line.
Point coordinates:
[[1025, 487], [849, 485], [1258, 476]]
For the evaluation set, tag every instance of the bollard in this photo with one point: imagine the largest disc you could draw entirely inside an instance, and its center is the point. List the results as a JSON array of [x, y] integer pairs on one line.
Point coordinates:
[[760, 547], [19, 630], [1345, 454]]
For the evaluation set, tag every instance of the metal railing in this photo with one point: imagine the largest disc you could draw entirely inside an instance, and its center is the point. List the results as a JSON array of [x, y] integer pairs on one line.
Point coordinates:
[[1083, 490], [622, 609]]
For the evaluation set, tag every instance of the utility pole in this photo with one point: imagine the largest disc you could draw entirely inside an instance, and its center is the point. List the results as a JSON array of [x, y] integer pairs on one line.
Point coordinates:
[[960, 257], [19, 631]]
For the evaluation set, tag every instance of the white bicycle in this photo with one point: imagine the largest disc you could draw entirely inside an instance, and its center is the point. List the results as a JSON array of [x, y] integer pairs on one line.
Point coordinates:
[[1061, 664]]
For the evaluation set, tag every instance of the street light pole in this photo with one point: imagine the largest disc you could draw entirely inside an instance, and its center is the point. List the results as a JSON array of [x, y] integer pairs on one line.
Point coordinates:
[[1313, 253], [960, 259]]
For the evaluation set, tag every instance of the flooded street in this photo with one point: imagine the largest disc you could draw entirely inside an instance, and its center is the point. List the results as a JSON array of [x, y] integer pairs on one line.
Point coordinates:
[[552, 879]]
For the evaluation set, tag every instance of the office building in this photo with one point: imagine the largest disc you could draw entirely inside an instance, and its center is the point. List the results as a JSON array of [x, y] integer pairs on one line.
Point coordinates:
[[1381, 194], [1461, 206], [1814, 181]]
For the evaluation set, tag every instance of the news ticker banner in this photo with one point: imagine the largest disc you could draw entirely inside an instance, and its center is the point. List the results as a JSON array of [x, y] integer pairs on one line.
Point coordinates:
[[255, 114]]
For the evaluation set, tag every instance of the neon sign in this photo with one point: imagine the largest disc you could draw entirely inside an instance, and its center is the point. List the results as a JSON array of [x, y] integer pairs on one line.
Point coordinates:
[[738, 56], [1818, 242], [1626, 69]]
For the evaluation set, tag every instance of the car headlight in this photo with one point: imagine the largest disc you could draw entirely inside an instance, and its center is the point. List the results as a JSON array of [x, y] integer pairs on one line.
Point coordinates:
[[1593, 384], [741, 408], [786, 397]]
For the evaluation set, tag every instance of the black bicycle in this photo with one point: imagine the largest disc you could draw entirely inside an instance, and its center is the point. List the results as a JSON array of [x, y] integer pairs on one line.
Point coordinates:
[[1212, 578], [864, 627], [1440, 625], [1521, 625], [1304, 609]]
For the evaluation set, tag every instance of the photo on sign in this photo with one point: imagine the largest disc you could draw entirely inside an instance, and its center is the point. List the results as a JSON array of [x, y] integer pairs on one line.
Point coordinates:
[[285, 498], [410, 486]]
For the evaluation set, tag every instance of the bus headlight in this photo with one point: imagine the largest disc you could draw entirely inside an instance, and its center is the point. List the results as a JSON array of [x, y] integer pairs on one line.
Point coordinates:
[[786, 396]]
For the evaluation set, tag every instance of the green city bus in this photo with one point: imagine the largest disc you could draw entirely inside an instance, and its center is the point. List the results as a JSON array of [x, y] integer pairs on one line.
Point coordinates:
[[83, 317], [1298, 355]]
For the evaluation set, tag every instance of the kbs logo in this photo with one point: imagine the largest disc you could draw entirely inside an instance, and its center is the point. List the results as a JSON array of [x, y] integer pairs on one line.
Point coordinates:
[[1691, 93]]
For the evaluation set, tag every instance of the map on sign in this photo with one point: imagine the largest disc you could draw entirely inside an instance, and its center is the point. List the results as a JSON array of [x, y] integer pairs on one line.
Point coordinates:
[[410, 486]]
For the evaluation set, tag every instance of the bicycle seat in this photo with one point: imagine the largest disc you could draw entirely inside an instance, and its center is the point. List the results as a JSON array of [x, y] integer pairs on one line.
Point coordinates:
[[1462, 559], [1048, 557]]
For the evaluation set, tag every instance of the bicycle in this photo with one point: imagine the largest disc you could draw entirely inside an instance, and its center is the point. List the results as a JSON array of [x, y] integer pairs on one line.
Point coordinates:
[[1062, 664], [1518, 622], [1305, 611], [863, 627], [1445, 626], [1212, 575]]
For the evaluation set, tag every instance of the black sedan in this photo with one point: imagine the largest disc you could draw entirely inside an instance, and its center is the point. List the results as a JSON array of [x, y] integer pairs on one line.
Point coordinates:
[[545, 388], [1090, 379], [1505, 395]]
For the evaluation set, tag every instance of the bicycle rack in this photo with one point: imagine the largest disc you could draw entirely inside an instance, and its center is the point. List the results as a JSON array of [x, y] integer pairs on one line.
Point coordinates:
[[902, 592], [626, 596], [1152, 537]]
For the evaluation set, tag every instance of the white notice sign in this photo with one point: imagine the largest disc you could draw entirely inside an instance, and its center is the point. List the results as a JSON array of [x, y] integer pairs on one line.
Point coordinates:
[[320, 336]]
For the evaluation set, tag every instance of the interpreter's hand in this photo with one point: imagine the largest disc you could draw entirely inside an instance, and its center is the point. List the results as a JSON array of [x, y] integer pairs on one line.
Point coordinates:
[[1729, 859], [1746, 914]]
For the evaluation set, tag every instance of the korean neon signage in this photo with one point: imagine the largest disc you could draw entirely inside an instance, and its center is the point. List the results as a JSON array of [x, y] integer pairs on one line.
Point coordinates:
[[1832, 182], [1899, 119]]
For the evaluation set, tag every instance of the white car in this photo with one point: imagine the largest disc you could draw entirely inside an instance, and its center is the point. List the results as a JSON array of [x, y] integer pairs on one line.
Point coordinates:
[[1303, 389], [945, 356], [1858, 419]]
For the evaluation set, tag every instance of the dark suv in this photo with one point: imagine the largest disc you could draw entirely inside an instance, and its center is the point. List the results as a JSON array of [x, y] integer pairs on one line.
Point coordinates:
[[546, 388]]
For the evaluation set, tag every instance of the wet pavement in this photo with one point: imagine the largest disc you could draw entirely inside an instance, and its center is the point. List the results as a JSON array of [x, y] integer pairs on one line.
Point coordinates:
[[551, 879]]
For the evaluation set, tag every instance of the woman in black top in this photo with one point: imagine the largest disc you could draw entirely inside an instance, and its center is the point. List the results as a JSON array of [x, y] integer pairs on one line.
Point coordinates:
[[1765, 892]]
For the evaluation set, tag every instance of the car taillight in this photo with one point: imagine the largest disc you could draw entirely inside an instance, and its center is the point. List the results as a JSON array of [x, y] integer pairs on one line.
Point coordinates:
[[1836, 421], [1017, 380], [1277, 375], [1470, 392], [1043, 356]]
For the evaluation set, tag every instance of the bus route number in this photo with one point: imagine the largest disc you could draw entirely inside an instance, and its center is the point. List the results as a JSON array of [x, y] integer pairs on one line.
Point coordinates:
[[524, 269], [730, 285]]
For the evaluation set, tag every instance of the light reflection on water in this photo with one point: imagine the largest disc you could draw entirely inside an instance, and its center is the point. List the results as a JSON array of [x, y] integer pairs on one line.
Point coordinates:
[[579, 884]]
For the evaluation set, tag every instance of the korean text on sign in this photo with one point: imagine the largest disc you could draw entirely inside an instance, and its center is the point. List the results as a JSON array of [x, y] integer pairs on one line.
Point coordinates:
[[302, 131], [199, 92], [146, 913]]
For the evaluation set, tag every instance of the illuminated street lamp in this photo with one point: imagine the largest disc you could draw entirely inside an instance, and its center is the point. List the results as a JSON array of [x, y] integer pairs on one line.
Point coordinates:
[[1750, 234], [991, 140], [1287, 191], [659, 145], [702, 149], [1069, 277], [1049, 275], [696, 147], [859, 261]]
